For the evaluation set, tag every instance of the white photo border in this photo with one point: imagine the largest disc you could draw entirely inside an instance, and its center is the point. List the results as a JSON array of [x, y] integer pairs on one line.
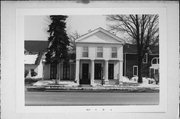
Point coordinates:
[[20, 100]]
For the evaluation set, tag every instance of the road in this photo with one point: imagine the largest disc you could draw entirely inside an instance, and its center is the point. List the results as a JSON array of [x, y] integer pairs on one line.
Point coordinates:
[[89, 98]]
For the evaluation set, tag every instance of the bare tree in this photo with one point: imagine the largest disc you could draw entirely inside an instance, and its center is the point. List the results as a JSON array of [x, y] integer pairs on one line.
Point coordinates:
[[142, 29], [72, 38]]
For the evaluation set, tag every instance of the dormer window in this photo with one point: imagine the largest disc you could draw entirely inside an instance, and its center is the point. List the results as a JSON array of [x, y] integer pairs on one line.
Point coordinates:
[[99, 52], [145, 59], [85, 52], [114, 52]]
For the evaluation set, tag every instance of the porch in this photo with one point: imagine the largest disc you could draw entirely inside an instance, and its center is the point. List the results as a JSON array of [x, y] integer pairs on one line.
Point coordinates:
[[98, 72]]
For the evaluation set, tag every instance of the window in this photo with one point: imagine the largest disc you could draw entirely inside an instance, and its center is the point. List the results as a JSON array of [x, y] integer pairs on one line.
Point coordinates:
[[155, 60], [66, 71], [99, 51], [85, 52], [145, 59], [153, 72], [114, 52], [135, 70]]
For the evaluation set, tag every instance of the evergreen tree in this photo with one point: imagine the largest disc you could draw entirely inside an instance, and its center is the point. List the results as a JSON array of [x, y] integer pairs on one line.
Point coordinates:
[[58, 41]]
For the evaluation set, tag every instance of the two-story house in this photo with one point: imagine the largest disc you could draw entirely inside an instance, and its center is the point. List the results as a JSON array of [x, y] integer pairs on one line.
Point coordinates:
[[99, 58], [150, 64]]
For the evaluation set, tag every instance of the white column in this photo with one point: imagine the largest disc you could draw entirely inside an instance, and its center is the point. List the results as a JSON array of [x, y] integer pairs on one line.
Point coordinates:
[[92, 72], [120, 71], [77, 71], [106, 80]]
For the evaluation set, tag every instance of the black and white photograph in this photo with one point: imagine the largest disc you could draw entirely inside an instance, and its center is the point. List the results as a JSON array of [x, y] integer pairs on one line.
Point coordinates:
[[91, 60]]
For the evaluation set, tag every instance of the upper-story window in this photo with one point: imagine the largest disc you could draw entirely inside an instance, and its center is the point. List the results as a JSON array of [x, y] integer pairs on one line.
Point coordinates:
[[145, 59], [99, 51], [155, 60], [85, 52], [114, 52]]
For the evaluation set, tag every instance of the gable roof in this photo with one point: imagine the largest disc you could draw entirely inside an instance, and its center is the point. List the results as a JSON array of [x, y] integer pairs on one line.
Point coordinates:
[[36, 46], [131, 49], [113, 36]]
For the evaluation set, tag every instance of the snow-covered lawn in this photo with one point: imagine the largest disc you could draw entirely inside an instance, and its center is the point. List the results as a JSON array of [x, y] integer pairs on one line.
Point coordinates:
[[147, 82], [43, 83], [50, 82]]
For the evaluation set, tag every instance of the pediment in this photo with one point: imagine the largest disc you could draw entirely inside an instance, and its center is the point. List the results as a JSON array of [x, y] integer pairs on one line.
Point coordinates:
[[100, 36]]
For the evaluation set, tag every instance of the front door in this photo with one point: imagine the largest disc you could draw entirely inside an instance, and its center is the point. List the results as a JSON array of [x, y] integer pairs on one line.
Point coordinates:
[[98, 71], [111, 71], [85, 74]]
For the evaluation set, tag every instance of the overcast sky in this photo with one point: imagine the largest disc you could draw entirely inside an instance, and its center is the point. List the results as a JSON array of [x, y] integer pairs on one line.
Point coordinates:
[[36, 26]]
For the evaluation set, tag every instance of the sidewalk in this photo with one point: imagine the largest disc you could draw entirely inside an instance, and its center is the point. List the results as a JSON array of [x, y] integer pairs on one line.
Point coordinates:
[[99, 88]]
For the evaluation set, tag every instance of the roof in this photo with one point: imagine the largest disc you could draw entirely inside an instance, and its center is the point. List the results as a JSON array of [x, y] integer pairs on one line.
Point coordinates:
[[131, 49], [36, 46], [115, 38], [30, 59]]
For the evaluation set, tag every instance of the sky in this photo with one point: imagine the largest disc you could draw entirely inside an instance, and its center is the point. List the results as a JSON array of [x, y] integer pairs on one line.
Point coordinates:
[[36, 27]]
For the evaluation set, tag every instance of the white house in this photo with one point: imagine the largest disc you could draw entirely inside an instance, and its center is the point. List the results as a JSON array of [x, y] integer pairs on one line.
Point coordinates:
[[99, 59], [33, 58]]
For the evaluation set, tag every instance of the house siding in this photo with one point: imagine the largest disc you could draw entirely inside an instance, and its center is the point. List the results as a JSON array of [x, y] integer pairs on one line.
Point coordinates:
[[130, 60], [46, 71]]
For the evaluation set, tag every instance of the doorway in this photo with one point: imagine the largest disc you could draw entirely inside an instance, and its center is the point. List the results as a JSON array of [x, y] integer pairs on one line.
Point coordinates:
[[98, 71], [111, 71], [85, 74]]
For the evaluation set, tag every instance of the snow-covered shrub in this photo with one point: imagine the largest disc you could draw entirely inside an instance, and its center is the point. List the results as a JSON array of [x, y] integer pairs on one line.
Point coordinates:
[[43, 83], [135, 79], [145, 80], [126, 79]]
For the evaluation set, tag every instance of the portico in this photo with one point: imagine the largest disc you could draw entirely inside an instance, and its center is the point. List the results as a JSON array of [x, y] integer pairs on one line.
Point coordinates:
[[98, 72], [99, 58]]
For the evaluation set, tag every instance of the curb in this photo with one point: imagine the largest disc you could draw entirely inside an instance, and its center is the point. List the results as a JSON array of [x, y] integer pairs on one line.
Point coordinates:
[[115, 90]]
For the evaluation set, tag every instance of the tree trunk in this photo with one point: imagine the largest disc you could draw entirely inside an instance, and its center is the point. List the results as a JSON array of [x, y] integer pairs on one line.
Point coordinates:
[[139, 69], [56, 80]]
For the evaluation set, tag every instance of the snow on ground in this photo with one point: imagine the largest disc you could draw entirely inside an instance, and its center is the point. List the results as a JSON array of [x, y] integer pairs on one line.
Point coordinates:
[[147, 82], [43, 83], [127, 80], [148, 85], [49, 82]]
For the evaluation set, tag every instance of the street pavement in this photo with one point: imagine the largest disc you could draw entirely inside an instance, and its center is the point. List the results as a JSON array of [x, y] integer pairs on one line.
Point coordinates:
[[89, 98]]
